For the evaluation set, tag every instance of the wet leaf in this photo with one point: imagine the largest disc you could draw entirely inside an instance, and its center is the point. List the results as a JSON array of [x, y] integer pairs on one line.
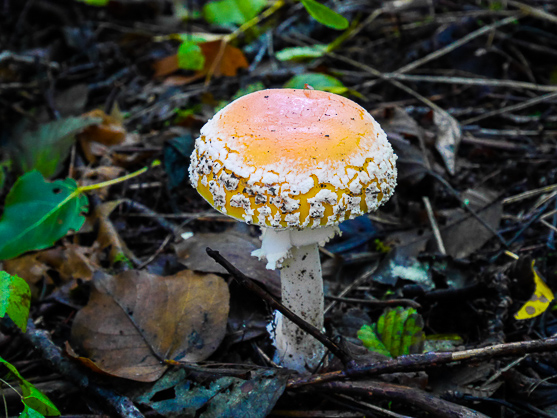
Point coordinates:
[[324, 15], [448, 138], [37, 213], [412, 164], [35, 401], [466, 234], [224, 397], [301, 52], [15, 299], [232, 12], [44, 149], [176, 159], [540, 300], [398, 332], [235, 248], [135, 319]]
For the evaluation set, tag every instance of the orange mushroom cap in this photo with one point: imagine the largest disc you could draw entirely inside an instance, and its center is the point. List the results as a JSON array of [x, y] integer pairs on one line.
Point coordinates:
[[289, 158]]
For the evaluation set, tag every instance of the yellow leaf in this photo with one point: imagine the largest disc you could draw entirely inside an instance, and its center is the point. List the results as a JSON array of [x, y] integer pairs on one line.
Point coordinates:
[[539, 301]]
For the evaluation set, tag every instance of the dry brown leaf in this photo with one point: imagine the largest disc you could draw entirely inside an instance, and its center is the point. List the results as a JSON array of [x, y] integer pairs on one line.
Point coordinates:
[[108, 235], [30, 269], [96, 139], [221, 59], [109, 132], [235, 248], [135, 319], [72, 261], [228, 59], [68, 262], [166, 66]]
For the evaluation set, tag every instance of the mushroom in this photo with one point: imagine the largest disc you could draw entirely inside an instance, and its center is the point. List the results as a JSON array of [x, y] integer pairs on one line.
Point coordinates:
[[296, 163]]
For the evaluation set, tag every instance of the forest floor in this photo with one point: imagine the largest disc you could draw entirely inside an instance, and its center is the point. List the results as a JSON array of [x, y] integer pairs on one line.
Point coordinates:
[[129, 316]]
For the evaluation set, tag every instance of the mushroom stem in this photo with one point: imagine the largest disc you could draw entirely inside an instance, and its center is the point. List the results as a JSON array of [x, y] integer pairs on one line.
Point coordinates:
[[302, 292]]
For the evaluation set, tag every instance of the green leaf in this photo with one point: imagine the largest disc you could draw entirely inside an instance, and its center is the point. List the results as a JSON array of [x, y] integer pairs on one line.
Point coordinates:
[[301, 52], [15, 299], [324, 15], [232, 12], [316, 80], [35, 401], [190, 56], [45, 148], [371, 341], [30, 413], [398, 331], [37, 213]]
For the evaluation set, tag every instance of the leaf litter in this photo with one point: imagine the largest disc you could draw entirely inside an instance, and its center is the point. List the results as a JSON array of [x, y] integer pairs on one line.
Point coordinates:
[[455, 87]]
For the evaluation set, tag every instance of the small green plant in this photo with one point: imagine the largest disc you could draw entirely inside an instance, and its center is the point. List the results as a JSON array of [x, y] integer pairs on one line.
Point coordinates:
[[190, 56], [397, 332], [15, 299]]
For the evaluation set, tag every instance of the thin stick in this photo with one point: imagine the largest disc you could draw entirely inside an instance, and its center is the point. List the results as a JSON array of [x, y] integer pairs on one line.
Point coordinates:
[[511, 108], [451, 47], [467, 81], [434, 226], [345, 291], [529, 193], [275, 304], [377, 303], [415, 362]]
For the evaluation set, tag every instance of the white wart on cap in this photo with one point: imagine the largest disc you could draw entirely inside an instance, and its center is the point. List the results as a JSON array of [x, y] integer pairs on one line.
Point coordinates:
[[291, 159]]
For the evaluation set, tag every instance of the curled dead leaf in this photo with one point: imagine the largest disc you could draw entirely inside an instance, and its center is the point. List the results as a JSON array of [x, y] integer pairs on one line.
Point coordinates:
[[95, 139], [136, 319]]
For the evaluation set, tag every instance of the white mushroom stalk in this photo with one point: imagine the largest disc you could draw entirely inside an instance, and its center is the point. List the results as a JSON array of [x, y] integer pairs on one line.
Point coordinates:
[[302, 292], [297, 163]]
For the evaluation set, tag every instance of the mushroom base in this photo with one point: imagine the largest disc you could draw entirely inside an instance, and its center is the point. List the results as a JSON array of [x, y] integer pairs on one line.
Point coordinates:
[[302, 292]]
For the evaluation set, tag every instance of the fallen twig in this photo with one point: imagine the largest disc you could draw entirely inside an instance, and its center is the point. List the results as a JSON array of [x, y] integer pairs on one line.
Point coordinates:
[[113, 403], [416, 362], [275, 304]]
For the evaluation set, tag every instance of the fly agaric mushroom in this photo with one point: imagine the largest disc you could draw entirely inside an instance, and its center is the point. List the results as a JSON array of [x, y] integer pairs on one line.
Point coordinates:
[[297, 163]]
